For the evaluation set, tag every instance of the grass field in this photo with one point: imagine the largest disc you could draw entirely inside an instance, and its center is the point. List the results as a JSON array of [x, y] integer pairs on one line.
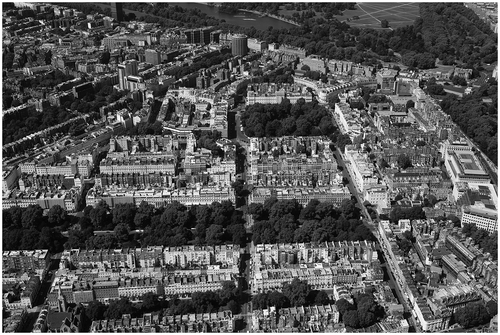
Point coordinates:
[[398, 14]]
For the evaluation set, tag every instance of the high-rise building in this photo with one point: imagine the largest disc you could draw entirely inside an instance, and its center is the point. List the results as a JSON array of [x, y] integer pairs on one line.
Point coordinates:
[[131, 67], [152, 56], [198, 35], [127, 68], [117, 11], [121, 76], [239, 45]]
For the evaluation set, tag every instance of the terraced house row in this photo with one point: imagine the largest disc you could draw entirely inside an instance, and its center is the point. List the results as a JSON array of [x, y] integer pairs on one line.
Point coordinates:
[[79, 289], [220, 322], [176, 257]]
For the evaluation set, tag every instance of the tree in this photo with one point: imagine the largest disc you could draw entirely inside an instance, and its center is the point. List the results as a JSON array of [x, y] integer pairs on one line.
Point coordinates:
[[99, 215], [95, 310], [143, 215], [227, 292], [321, 298], [492, 307], [119, 307], [404, 161], [351, 318], [410, 104], [32, 216], [456, 80], [30, 239], [150, 302], [343, 306], [57, 216], [238, 187], [277, 299], [238, 233], [297, 292], [215, 234], [105, 57], [419, 276], [206, 302], [256, 210], [122, 232], [124, 213], [16, 214], [260, 301], [345, 181], [234, 307], [472, 315], [107, 241], [76, 240], [348, 209], [384, 24]]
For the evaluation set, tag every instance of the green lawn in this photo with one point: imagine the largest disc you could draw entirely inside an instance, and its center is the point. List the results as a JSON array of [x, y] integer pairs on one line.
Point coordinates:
[[398, 14]]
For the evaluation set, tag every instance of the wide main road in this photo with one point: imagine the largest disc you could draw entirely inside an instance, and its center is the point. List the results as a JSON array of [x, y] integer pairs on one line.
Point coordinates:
[[347, 173]]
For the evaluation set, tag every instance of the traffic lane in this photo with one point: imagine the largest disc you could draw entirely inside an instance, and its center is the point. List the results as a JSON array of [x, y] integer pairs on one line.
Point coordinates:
[[395, 287], [354, 191], [239, 134]]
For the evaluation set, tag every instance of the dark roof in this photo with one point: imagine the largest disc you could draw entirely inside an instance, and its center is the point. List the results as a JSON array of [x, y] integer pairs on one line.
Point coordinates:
[[56, 319]]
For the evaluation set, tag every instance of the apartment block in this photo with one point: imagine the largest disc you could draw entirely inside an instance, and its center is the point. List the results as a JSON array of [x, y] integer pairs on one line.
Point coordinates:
[[464, 253], [481, 217], [288, 160], [19, 293], [455, 296], [26, 260]]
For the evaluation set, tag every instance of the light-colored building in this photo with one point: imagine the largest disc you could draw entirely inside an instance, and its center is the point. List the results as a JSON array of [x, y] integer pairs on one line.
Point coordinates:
[[160, 197], [481, 217], [465, 166], [361, 168]]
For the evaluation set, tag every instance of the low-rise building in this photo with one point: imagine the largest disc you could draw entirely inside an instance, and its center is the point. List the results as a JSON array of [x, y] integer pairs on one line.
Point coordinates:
[[322, 318], [160, 197], [155, 322]]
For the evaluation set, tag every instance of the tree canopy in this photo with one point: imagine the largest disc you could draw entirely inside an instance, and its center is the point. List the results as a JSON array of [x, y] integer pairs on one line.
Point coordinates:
[[286, 221], [285, 119], [472, 315], [363, 313]]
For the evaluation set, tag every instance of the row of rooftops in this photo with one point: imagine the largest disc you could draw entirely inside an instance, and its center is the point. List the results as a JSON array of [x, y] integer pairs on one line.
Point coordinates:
[[315, 245], [132, 160], [285, 159], [456, 291], [290, 273], [155, 249], [151, 319], [163, 193], [37, 195], [40, 254], [299, 192], [304, 310], [74, 283]]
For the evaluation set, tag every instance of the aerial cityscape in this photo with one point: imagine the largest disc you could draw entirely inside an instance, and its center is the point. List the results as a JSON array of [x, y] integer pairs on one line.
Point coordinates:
[[249, 167]]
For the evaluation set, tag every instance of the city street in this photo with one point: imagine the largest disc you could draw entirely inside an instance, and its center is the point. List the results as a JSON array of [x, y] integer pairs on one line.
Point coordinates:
[[240, 136], [369, 223], [354, 191], [389, 276]]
